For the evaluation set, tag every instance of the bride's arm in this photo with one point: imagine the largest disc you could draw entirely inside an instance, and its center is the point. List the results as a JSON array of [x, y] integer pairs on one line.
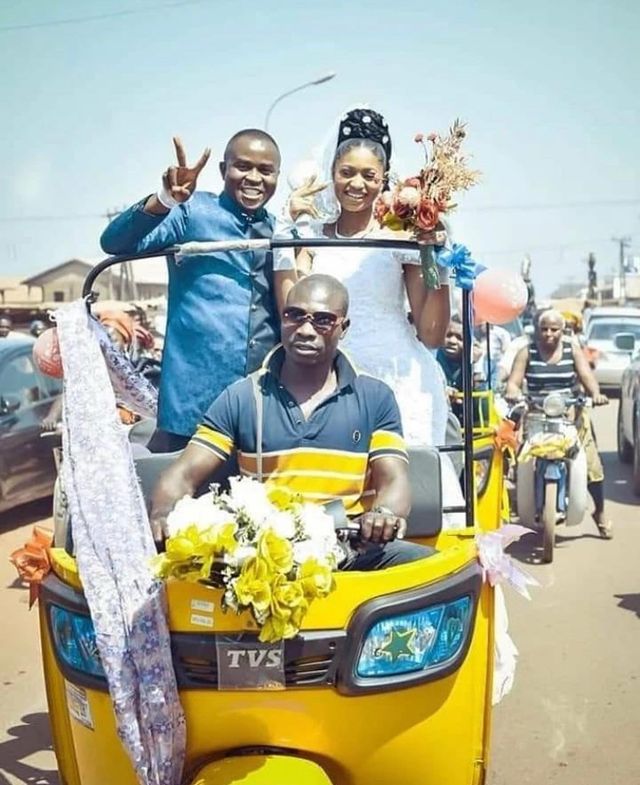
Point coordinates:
[[430, 308], [284, 280]]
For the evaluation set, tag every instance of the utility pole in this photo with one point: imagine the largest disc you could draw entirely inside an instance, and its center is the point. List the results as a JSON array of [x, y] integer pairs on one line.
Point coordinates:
[[592, 289], [623, 243]]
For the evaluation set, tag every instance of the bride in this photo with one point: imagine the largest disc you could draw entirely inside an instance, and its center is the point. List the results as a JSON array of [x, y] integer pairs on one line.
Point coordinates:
[[381, 340]]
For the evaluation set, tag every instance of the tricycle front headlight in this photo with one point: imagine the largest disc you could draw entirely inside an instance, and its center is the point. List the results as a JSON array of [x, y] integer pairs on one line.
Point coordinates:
[[75, 641], [416, 641], [554, 405]]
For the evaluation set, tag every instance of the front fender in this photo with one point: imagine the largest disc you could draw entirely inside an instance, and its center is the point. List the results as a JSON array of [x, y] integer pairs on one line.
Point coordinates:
[[261, 770]]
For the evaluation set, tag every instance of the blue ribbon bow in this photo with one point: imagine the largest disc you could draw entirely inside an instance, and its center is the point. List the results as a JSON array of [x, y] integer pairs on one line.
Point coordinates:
[[458, 259]]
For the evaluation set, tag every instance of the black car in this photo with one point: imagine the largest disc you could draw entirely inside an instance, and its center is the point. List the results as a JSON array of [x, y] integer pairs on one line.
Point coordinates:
[[27, 468]]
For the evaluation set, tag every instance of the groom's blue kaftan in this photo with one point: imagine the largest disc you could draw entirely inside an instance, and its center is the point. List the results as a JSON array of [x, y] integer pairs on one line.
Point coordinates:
[[221, 319]]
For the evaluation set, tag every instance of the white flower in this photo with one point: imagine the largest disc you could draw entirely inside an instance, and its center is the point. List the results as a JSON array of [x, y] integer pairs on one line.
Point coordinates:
[[283, 524], [305, 550], [250, 497], [240, 556], [319, 528], [200, 512], [409, 196]]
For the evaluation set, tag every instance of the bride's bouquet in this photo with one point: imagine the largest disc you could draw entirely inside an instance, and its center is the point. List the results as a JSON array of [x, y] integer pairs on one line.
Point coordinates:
[[271, 553], [417, 203]]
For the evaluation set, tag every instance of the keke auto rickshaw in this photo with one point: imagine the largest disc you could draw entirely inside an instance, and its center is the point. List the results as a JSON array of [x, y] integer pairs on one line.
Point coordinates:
[[388, 681]]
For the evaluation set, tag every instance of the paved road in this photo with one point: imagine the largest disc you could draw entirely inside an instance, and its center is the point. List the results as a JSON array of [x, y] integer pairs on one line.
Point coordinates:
[[573, 717]]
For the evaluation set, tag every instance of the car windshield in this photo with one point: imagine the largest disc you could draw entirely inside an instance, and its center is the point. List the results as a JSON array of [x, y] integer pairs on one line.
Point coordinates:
[[606, 331]]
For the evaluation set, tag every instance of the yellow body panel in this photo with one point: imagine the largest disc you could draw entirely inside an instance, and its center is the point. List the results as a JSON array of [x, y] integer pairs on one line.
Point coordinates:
[[429, 734], [261, 770]]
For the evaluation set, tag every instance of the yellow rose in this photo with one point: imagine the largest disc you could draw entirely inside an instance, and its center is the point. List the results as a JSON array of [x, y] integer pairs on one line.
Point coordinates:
[[224, 538], [276, 552], [274, 630], [252, 587], [281, 497], [392, 222], [315, 578]]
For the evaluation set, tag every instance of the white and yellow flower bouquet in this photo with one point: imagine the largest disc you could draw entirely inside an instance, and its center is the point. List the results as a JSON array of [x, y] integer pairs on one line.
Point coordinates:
[[271, 553]]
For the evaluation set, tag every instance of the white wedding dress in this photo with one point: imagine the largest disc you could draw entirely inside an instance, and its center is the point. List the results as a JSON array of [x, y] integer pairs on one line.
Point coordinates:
[[383, 343]]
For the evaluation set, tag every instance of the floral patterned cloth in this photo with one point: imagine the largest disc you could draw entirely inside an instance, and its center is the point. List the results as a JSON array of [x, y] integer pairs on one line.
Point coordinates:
[[114, 548]]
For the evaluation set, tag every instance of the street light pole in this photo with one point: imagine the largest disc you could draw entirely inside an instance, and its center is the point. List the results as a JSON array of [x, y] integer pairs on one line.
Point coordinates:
[[321, 80]]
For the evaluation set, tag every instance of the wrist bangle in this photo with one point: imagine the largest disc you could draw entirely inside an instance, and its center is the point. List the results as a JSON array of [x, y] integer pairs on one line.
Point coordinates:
[[380, 508], [165, 198], [444, 273]]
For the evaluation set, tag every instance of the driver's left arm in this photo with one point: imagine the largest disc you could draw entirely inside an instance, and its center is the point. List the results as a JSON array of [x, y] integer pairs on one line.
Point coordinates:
[[586, 377], [390, 481]]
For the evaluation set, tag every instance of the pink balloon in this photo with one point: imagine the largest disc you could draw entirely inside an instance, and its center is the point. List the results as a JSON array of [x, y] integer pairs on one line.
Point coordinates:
[[46, 353], [499, 296]]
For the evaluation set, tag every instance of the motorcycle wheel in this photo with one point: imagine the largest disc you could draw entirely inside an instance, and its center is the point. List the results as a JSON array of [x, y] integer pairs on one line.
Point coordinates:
[[549, 518], [578, 495]]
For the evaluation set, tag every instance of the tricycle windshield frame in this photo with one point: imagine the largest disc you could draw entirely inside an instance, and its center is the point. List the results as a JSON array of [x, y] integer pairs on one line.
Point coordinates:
[[177, 254]]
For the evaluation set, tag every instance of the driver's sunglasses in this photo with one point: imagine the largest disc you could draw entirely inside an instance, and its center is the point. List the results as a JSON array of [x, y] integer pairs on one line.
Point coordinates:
[[323, 322]]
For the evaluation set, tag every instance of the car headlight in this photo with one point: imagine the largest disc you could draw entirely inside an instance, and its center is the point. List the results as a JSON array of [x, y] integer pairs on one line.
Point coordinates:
[[75, 641], [554, 405], [416, 641]]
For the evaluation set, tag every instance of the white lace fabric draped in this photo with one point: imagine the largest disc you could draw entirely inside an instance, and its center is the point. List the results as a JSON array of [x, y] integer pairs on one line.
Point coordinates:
[[114, 547]]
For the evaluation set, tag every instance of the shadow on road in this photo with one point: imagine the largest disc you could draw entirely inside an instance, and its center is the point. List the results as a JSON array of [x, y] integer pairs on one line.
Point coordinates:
[[629, 602], [529, 550], [29, 738], [26, 514]]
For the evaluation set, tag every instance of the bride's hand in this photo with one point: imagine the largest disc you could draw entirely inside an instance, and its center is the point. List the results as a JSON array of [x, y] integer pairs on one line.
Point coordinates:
[[435, 237], [301, 201]]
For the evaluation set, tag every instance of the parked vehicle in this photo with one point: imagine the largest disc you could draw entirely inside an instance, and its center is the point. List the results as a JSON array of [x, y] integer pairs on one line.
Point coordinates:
[[27, 468], [628, 429], [551, 476], [610, 359]]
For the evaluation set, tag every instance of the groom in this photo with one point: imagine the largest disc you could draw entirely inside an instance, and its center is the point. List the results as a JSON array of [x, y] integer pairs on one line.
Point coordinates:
[[222, 318]]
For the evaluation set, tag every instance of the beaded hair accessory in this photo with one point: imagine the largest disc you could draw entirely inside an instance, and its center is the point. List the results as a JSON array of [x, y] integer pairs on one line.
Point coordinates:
[[365, 124]]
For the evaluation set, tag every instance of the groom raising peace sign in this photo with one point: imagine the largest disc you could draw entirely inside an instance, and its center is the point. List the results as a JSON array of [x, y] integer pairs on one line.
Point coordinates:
[[221, 319]]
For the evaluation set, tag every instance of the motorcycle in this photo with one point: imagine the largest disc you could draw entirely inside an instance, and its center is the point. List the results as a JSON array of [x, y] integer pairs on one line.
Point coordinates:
[[551, 469]]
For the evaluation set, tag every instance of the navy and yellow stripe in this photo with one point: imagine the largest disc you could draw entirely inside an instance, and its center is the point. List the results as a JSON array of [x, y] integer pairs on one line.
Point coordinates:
[[325, 456]]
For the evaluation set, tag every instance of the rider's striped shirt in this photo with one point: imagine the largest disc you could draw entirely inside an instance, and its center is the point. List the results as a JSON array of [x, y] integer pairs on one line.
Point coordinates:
[[324, 457], [543, 377]]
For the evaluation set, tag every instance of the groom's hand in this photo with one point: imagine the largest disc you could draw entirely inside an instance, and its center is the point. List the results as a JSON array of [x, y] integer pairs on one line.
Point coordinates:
[[302, 202], [178, 182]]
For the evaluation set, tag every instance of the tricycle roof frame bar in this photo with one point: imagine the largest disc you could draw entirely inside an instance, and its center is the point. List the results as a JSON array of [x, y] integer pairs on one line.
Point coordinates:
[[181, 253]]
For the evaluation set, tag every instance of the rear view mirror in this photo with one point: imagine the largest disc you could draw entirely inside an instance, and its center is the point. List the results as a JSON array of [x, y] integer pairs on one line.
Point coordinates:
[[625, 342], [9, 403]]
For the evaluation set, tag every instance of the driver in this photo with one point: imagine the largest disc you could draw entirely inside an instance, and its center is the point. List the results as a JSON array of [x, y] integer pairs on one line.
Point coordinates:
[[328, 432], [554, 362]]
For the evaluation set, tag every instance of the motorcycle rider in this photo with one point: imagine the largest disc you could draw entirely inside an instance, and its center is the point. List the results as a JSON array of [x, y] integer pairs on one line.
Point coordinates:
[[553, 362]]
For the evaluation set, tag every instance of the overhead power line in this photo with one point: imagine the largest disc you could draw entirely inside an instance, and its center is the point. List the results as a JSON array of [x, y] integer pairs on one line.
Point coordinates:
[[98, 17]]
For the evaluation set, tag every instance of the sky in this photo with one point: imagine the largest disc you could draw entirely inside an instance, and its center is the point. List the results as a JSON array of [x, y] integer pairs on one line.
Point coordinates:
[[91, 94]]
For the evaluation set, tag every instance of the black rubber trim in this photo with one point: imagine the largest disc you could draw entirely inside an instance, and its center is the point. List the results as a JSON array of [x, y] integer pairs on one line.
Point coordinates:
[[466, 582]]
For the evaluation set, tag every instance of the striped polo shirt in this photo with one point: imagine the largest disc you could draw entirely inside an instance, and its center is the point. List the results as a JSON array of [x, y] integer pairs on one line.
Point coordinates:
[[326, 456], [544, 377]]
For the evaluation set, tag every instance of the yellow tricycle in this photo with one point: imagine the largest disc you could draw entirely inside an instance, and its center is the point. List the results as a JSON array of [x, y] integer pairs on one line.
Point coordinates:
[[388, 681]]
